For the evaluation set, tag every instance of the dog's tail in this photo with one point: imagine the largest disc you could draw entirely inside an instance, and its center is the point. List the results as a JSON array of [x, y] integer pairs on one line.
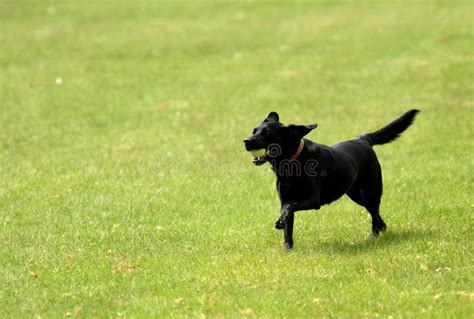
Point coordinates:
[[393, 130]]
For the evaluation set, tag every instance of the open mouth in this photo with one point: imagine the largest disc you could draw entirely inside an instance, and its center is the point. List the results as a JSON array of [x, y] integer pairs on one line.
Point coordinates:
[[258, 156]]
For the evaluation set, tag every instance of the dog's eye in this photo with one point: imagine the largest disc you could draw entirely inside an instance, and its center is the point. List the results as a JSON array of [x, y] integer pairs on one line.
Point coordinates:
[[264, 132]]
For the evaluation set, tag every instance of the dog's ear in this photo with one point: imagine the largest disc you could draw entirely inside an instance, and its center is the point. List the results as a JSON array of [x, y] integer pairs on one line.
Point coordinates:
[[272, 117], [298, 131]]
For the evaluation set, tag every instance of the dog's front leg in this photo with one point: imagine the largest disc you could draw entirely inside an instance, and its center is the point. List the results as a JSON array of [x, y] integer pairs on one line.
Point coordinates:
[[288, 243], [286, 211], [293, 206], [287, 217]]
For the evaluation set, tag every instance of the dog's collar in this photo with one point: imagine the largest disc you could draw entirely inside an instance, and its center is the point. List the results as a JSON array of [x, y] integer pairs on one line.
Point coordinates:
[[298, 151]]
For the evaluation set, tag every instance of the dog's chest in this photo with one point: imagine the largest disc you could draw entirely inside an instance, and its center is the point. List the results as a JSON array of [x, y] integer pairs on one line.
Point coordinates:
[[294, 187]]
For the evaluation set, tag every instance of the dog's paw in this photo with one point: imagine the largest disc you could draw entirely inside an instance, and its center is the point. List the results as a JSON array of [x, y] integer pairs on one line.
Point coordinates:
[[288, 245], [279, 224], [376, 231], [373, 236]]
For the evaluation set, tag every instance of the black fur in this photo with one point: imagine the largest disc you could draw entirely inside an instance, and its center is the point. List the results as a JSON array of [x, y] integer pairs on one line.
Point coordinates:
[[321, 174], [393, 130]]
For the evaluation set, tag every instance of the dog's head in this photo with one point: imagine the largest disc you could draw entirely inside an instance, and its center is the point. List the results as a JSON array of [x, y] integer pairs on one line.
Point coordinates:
[[272, 140]]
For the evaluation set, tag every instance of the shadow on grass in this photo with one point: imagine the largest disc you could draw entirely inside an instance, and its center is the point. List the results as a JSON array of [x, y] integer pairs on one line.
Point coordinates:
[[390, 238]]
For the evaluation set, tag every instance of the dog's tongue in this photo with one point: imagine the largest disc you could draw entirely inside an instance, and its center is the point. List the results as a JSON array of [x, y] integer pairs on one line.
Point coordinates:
[[258, 153]]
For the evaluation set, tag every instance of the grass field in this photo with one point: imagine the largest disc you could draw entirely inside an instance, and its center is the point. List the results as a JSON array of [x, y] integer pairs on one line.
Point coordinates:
[[125, 190]]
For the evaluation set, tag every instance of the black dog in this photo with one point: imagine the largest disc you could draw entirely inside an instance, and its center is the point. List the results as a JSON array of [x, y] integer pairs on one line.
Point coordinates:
[[310, 175]]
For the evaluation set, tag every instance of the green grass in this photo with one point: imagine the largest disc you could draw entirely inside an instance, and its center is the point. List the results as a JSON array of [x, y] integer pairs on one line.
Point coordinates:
[[125, 190]]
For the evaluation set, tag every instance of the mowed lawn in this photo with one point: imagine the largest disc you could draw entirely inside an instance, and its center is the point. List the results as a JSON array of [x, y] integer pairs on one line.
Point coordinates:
[[125, 190]]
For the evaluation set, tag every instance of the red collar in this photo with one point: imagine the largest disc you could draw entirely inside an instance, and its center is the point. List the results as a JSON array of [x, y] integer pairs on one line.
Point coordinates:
[[298, 151]]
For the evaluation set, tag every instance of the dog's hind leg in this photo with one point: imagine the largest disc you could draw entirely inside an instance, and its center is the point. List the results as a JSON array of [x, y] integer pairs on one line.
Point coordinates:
[[357, 196], [378, 224], [373, 193], [372, 206], [367, 192]]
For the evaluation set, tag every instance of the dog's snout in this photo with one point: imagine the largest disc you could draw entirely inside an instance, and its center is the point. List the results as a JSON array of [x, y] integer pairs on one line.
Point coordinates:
[[248, 143]]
